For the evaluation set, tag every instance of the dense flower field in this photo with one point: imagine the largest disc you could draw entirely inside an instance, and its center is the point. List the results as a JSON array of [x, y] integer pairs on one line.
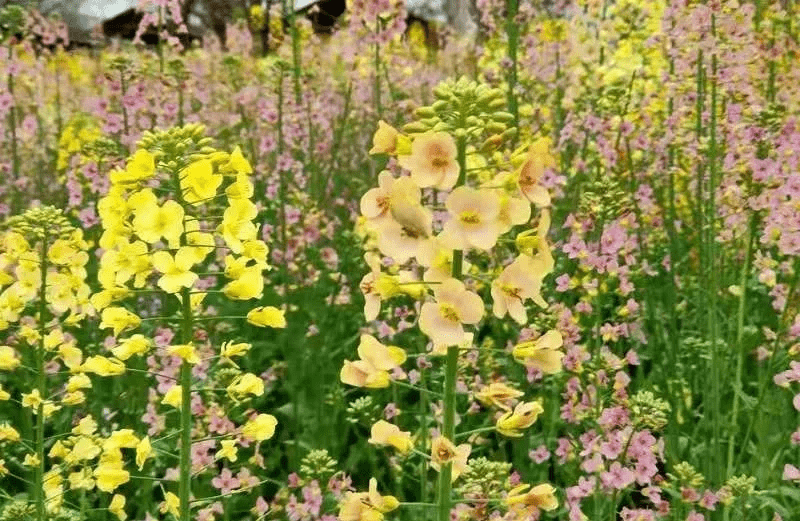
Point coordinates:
[[547, 273]]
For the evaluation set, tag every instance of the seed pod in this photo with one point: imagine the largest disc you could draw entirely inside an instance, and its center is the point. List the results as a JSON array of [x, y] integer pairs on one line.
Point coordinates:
[[415, 127], [495, 127], [503, 117], [425, 112]]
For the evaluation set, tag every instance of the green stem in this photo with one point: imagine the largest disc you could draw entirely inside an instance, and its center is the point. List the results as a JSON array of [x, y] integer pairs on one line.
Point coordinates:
[[41, 383], [184, 489], [713, 328], [451, 373], [512, 33], [739, 341]]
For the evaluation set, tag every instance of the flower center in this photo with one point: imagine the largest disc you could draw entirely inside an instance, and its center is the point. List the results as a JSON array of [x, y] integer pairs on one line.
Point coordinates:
[[449, 312], [469, 217]]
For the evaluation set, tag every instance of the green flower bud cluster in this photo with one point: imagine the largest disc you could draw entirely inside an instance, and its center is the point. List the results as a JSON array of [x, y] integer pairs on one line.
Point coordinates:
[[465, 108], [103, 147], [17, 509], [317, 465], [12, 21], [180, 146], [120, 63], [38, 223], [362, 410], [741, 486], [484, 478], [648, 411], [685, 475]]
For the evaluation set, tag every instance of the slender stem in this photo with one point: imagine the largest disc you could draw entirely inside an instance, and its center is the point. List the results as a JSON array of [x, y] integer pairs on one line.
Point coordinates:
[[739, 341], [186, 413], [512, 33], [451, 374], [41, 383]]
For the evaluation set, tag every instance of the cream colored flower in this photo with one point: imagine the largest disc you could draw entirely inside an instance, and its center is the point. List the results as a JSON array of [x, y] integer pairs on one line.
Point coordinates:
[[542, 353], [474, 218], [443, 320], [432, 161]]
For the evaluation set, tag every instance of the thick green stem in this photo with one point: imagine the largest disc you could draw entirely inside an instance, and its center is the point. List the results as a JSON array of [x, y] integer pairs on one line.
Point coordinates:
[[41, 386], [512, 33], [451, 374], [184, 489]]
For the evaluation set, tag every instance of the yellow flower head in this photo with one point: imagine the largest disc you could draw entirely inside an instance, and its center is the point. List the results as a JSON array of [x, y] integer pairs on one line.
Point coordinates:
[[267, 316], [524, 415], [260, 428]]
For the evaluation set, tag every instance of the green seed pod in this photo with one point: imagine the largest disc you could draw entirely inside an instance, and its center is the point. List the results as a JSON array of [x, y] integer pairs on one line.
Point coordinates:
[[441, 126], [495, 127], [503, 117], [207, 150], [497, 103], [425, 112], [415, 127], [440, 106], [442, 91]]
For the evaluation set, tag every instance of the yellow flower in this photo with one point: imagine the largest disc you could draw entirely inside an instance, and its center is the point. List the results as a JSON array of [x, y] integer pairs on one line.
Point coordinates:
[[4, 394], [267, 316], [366, 506], [498, 394], [86, 426], [110, 473], [141, 166], [117, 507], [542, 353], [134, 345], [118, 319], [52, 484], [237, 225], [432, 161], [171, 504], [184, 351], [237, 163], [443, 451], [384, 433], [173, 397], [103, 366], [31, 460], [524, 415], [260, 428], [143, 450], [249, 284], [199, 182], [245, 384], [8, 433], [384, 141], [518, 282], [455, 305], [120, 439], [84, 449], [176, 271], [229, 349], [229, 450], [81, 479], [152, 222], [8, 359], [525, 505], [32, 400], [372, 370]]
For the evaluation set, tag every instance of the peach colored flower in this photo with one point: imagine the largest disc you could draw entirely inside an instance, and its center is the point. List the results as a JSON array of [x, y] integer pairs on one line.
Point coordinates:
[[384, 433], [532, 170], [473, 218], [432, 161], [519, 281], [375, 204], [443, 320], [524, 415], [443, 451]]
